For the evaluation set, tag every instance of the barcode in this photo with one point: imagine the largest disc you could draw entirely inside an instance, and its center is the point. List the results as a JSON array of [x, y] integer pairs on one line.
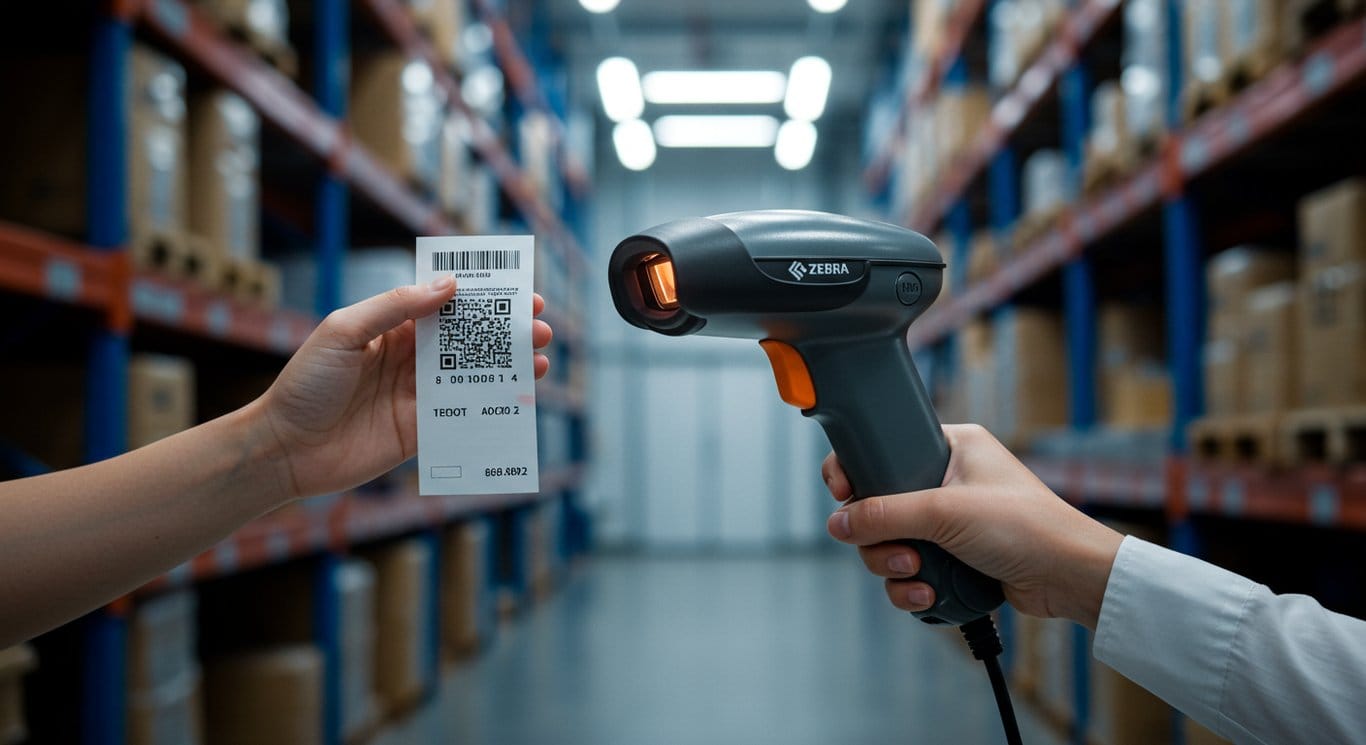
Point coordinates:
[[461, 261], [474, 333]]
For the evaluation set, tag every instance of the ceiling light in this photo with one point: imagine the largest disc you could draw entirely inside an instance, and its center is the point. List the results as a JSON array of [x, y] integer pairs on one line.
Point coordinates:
[[600, 6], [714, 86], [716, 131], [796, 143], [635, 145], [822, 6], [619, 86], [807, 86]]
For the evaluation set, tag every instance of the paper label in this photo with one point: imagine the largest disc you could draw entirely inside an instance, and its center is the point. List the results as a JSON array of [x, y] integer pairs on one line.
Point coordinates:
[[476, 393]]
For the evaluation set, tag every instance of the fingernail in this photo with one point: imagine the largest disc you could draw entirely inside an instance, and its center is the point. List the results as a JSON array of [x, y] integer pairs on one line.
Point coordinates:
[[919, 597], [901, 564], [838, 524], [442, 284]]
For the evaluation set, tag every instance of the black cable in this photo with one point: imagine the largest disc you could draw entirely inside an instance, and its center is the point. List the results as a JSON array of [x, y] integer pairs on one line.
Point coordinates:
[[985, 644]]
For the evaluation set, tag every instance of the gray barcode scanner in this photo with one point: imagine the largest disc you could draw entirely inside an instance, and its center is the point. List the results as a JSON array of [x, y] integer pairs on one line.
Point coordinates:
[[830, 299]]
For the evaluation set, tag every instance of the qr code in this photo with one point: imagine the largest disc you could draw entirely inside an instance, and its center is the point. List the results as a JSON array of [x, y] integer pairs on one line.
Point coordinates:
[[475, 333]]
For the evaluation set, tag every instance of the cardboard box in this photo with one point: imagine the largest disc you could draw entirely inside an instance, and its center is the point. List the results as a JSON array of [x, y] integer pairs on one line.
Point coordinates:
[[1256, 33], [265, 697], [456, 166], [1144, 69], [978, 374], [1231, 275], [1333, 226], [1224, 372], [157, 168], [170, 714], [225, 153], [15, 662], [1048, 183], [1205, 40], [1130, 334], [1136, 396], [403, 601], [1031, 373], [1123, 713], [1056, 653], [464, 575], [1108, 137], [962, 112], [258, 20], [397, 113], [161, 398], [1272, 352], [1026, 668], [983, 256], [355, 582], [442, 21], [1332, 325], [162, 633]]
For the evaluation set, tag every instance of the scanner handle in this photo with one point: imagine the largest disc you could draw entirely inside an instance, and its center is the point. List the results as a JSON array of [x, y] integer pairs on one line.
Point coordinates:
[[875, 411]]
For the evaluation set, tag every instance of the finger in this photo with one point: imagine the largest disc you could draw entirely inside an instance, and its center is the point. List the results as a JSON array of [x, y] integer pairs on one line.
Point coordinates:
[[542, 366], [354, 326], [879, 519], [541, 334], [891, 560], [835, 479], [909, 595], [537, 303]]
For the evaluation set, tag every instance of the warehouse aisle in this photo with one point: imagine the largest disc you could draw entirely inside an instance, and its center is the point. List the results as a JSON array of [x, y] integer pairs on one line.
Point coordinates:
[[788, 650]]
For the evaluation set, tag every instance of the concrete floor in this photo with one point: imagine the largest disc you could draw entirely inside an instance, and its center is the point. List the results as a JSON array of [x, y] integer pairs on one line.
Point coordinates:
[[781, 650]]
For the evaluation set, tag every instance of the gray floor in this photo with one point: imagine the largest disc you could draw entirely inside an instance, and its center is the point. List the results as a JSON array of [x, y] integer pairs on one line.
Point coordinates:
[[788, 650]]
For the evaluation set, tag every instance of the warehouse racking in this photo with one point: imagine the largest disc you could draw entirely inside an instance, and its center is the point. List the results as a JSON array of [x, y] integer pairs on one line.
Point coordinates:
[[119, 304], [1168, 211]]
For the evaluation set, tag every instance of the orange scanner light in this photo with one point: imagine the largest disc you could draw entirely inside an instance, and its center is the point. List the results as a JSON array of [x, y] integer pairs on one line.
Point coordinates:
[[789, 369], [659, 277]]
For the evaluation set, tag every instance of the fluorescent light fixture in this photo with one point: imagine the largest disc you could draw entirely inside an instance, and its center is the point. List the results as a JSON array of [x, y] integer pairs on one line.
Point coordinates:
[[807, 86], [716, 131], [796, 143], [714, 86], [599, 6], [635, 145], [619, 86], [822, 6]]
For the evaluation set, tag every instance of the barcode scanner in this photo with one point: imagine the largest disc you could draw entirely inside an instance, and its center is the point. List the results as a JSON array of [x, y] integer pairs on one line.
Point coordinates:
[[830, 299]]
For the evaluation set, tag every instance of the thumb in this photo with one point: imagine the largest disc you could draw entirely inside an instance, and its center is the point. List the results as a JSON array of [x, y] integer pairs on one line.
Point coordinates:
[[920, 514], [356, 325]]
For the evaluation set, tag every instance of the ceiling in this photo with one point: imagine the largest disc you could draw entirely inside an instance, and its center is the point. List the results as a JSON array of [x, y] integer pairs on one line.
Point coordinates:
[[729, 35]]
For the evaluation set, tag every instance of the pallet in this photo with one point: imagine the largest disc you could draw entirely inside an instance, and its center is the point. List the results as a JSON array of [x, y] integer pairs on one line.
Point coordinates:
[[251, 282], [1200, 96], [1238, 439], [1328, 435], [202, 263], [161, 251]]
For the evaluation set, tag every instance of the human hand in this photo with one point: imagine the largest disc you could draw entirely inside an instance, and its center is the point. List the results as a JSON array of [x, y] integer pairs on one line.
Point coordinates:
[[994, 515], [344, 409]]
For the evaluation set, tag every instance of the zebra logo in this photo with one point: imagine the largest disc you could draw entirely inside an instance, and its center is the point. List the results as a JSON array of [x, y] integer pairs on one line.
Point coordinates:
[[798, 270]]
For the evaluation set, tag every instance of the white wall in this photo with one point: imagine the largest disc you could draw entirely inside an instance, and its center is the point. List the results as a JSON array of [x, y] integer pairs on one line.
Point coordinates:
[[691, 446]]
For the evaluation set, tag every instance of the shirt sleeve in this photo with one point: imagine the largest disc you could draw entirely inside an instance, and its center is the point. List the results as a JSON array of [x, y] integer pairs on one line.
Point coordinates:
[[1253, 666]]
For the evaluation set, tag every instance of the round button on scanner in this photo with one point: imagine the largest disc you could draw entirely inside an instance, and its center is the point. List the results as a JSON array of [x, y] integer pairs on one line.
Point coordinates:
[[908, 288]]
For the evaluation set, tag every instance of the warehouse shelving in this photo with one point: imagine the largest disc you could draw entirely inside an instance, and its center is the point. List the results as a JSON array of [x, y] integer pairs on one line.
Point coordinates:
[[1159, 204], [97, 275]]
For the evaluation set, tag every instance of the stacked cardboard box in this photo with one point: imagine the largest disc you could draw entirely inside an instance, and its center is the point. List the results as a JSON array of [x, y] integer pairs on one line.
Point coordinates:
[[264, 24], [355, 584], [1048, 187], [44, 181], [15, 662], [1232, 276], [1135, 390], [1031, 374], [465, 602], [962, 112], [1256, 39], [403, 612], [1019, 31], [161, 402], [1144, 72], [225, 155], [442, 21], [398, 114], [538, 150], [265, 697], [164, 701], [1205, 52], [1332, 326]]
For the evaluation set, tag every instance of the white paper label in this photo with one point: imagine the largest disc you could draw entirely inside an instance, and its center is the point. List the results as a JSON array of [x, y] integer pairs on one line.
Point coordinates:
[[476, 393]]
